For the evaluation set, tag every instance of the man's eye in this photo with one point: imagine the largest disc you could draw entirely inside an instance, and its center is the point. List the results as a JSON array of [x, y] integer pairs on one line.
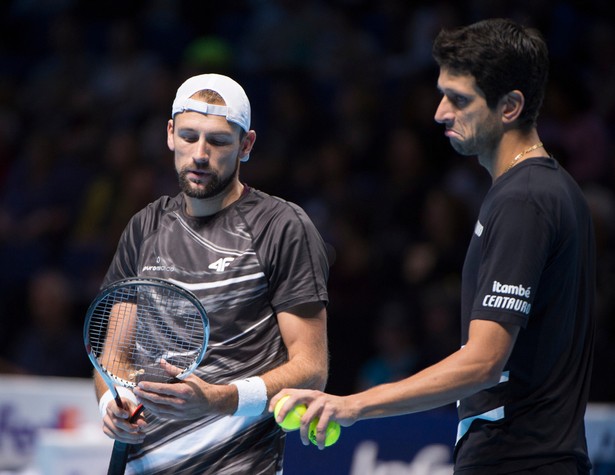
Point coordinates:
[[219, 140], [190, 138], [460, 101]]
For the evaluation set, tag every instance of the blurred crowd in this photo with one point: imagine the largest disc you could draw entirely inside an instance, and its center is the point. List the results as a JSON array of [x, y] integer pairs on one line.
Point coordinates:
[[343, 96]]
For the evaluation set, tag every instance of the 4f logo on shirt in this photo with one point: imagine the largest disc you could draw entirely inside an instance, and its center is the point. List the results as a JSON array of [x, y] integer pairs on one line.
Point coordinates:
[[221, 263]]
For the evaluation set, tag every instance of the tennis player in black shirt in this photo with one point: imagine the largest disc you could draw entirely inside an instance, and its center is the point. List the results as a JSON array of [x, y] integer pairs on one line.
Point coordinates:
[[521, 376]]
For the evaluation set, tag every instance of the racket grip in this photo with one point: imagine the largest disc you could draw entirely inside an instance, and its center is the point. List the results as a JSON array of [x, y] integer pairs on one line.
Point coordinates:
[[118, 401], [119, 457], [137, 412]]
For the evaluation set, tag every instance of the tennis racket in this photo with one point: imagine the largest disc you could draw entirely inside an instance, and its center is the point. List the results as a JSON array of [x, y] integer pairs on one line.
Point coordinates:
[[134, 325]]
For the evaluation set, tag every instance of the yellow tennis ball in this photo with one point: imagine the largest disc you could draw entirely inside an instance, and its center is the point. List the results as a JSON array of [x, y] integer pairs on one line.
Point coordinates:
[[292, 421], [333, 432]]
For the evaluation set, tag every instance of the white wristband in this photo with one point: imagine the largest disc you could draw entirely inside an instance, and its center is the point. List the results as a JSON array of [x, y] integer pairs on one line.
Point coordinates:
[[252, 396], [106, 398]]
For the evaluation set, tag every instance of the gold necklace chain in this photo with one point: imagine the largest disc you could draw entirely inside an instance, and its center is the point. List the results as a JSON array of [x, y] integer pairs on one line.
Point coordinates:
[[527, 150]]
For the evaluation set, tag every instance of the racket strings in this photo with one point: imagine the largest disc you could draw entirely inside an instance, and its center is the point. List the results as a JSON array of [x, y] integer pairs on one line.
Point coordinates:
[[146, 332]]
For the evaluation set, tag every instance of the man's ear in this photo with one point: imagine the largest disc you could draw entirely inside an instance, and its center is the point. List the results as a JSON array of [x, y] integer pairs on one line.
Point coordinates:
[[170, 138], [512, 104], [247, 143]]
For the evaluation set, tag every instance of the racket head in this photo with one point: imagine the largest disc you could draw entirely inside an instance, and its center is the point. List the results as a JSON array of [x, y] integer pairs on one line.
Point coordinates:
[[135, 324]]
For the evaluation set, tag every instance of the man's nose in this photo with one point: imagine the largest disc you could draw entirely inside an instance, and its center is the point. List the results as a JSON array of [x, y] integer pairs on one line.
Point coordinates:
[[443, 112], [202, 152]]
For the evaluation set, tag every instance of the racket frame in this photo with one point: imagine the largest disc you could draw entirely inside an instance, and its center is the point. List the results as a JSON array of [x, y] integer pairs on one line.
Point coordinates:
[[111, 379], [119, 454]]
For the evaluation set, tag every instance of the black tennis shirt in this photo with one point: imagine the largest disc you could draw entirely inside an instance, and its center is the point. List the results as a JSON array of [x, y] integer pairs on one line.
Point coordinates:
[[531, 262]]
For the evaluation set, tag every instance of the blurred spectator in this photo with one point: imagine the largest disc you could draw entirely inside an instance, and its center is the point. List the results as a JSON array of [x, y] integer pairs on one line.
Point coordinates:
[[354, 298], [10, 126], [424, 22], [123, 184], [439, 314], [123, 72], [37, 206], [577, 135], [438, 254], [601, 70], [63, 72], [395, 353], [51, 343], [601, 201]]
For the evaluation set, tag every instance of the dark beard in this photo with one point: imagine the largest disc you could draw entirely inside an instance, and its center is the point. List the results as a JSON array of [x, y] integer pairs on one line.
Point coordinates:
[[487, 138], [213, 188]]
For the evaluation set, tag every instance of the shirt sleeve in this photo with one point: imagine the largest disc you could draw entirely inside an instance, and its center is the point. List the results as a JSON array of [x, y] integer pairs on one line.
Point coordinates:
[[125, 261], [514, 252], [294, 256]]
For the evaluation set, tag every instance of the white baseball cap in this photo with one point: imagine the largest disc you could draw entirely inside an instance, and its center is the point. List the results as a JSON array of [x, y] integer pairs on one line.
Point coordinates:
[[236, 110]]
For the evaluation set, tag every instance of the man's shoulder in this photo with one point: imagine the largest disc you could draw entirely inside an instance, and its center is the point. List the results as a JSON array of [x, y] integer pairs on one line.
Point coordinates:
[[535, 180], [259, 201], [150, 215], [162, 205], [262, 211]]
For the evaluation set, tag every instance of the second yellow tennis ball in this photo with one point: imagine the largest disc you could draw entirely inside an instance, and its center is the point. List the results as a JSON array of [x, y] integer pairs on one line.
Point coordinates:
[[333, 432], [292, 421]]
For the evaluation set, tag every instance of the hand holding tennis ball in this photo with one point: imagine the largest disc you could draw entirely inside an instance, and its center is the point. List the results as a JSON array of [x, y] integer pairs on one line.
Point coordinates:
[[332, 434], [292, 421]]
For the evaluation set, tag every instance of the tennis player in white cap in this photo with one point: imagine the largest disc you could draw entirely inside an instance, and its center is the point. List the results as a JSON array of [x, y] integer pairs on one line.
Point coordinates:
[[258, 265]]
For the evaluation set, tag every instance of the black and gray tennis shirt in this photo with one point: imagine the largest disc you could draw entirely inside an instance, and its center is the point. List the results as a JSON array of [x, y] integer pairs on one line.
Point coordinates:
[[259, 256]]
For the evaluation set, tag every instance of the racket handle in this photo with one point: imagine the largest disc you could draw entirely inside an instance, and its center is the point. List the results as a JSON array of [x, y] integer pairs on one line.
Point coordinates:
[[137, 412], [118, 401], [119, 457]]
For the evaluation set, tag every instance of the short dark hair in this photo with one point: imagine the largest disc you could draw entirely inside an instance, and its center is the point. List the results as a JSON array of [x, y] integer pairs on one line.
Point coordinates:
[[502, 56]]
